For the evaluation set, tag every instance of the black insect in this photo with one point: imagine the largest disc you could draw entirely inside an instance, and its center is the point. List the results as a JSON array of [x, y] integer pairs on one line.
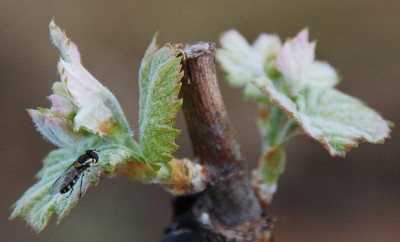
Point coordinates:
[[68, 179]]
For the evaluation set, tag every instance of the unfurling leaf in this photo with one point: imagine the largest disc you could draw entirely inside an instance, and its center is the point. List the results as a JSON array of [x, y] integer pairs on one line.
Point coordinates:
[[292, 81], [338, 121], [95, 107], [296, 62], [84, 116], [159, 76], [244, 62]]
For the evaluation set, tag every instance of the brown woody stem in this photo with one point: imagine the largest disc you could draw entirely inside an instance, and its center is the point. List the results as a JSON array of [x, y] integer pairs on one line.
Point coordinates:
[[231, 198], [228, 209]]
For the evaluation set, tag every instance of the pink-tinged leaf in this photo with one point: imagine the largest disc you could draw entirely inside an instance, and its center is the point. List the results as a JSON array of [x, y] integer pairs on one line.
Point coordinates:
[[61, 100], [97, 110], [68, 50], [296, 62]]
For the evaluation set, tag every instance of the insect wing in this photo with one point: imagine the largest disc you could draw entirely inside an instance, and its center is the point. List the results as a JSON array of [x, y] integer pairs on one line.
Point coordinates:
[[64, 179]]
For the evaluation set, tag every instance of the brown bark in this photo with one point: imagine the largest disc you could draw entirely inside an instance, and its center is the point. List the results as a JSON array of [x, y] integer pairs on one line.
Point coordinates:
[[228, 210]]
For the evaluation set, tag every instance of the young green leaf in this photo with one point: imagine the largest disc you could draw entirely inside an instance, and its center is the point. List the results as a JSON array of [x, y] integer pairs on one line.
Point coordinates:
[[56, 129], [338, 121], [302, 87], [160, 74], [84, 116], [244, 62], [37, 204]]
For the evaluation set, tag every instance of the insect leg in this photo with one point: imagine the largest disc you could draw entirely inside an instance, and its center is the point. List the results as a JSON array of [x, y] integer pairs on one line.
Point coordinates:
[[72, 189]]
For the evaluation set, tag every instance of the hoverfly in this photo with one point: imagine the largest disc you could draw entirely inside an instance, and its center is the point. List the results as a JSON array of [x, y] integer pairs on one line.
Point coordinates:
[[70, 176]]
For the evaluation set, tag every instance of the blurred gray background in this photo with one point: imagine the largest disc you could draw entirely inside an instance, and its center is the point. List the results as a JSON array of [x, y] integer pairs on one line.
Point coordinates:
[[320, 198]]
